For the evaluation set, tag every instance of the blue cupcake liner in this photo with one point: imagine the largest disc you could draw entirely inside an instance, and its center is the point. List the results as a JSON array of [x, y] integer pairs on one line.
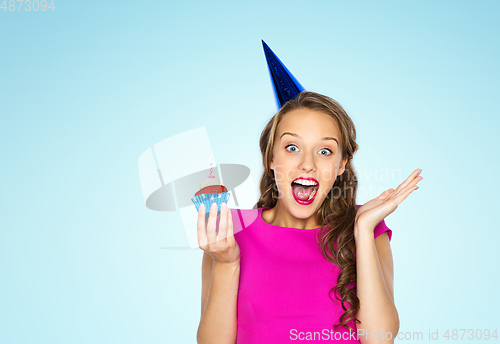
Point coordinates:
[[209, 198]]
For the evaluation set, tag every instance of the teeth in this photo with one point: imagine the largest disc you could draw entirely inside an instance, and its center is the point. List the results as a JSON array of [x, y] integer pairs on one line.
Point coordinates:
[[305, 182], [312, 194]]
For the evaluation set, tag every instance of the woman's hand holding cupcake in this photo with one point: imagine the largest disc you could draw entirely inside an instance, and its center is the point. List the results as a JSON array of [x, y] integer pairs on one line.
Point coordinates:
[[222, 246]]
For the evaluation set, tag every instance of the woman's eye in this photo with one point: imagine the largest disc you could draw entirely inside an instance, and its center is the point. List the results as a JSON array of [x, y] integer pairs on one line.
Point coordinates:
[[326, 150], [293, 148]]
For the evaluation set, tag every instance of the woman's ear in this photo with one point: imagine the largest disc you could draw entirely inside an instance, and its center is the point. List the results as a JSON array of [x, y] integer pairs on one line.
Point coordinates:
[[342, 166]]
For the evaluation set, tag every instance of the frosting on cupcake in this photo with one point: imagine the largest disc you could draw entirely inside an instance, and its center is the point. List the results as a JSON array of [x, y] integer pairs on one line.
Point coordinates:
[[211, 185]]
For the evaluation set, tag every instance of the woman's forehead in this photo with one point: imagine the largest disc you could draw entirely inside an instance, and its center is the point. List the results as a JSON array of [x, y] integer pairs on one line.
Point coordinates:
[[306, 122]]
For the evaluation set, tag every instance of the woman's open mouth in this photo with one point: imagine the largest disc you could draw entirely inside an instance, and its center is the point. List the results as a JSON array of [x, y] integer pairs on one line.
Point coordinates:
[[304, 190]]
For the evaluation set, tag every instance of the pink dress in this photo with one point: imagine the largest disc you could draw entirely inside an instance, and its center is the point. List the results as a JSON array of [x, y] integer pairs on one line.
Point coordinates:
[[283, 293]]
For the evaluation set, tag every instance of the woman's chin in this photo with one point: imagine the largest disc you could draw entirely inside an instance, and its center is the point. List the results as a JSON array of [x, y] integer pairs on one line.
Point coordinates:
[[301, 211]]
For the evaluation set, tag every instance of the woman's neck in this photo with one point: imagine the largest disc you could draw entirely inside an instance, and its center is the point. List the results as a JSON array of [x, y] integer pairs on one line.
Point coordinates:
[[279, 216]]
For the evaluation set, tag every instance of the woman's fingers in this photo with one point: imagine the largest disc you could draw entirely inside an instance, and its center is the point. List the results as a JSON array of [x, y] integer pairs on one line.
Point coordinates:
[[412, 178], [211, 225], [222, 223], [202, 232], [405, 193], [231, 242], [386, 194], [410, 185]]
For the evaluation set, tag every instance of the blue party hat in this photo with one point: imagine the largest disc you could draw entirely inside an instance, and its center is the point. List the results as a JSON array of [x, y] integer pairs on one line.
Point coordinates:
[[285, 85]]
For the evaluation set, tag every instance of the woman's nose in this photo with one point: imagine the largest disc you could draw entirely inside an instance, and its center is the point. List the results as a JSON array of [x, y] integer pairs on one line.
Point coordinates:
[[307, 165], [308, 169]]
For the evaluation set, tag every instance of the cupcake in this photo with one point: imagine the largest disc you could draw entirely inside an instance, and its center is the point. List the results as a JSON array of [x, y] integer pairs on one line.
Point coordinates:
[[211, 191]]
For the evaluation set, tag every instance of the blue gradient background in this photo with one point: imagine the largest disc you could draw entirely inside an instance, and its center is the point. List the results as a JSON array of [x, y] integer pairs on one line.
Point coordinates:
[[87, 88]]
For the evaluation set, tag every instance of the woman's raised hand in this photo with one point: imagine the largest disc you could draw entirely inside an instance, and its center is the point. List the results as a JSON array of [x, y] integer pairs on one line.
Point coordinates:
[[221, 246], [374, 211]]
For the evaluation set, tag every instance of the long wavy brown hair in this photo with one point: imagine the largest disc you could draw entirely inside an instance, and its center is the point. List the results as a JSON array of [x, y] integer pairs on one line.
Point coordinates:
[[338, 211]]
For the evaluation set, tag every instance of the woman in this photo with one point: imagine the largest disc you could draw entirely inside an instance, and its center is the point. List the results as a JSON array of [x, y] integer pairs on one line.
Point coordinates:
[[313, 265]]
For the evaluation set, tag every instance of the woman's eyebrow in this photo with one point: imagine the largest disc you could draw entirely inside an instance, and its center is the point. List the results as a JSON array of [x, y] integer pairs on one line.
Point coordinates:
[[297, 135]]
